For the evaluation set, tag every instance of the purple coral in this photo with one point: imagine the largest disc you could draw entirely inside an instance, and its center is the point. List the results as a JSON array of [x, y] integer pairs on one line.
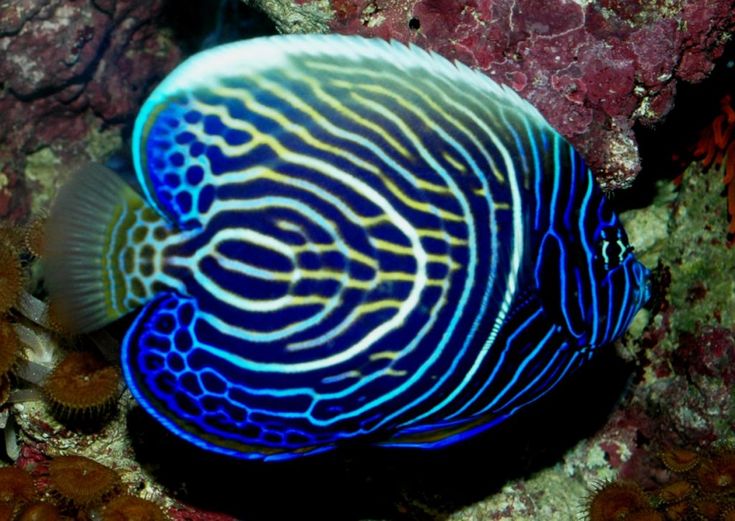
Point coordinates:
[[594, 70], [66, 68]]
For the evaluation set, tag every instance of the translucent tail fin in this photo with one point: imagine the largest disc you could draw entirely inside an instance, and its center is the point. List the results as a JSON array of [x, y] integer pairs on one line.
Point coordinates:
[[91, 250]]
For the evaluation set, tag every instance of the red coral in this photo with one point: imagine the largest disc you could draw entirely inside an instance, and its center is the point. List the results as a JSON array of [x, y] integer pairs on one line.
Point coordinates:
[[716, 148]]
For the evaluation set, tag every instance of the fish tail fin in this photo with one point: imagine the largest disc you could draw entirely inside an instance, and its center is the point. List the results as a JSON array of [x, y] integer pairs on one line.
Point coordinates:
[[98, 254]]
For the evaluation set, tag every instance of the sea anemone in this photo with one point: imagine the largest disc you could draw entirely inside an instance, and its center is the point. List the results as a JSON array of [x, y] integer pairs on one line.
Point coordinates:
[[9, 347], [617, 500], [11, 275], [131, 508], [40, 512], [680, 460], [645, 515], [16, 488], [82, 387], [5, 389], [6, 511], [717, 475], [80, 481], [33, 236], [675, 492]]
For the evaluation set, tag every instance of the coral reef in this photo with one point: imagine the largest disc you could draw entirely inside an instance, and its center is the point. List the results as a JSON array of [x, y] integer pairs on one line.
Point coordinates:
[[82, 388], [75, 486], [701, 489], [16, 488], [125, 507], [716, 149], [594, 69], [81, 482], [618, 501], [68, 71], [71, 83]]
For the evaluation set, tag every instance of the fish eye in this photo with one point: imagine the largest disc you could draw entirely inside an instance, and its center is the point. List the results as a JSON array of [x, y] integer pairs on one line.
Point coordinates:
[[612, 247]]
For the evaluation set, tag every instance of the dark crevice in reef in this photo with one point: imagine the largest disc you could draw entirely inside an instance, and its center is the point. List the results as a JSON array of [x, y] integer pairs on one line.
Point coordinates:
[[666, 148], [206, 23]]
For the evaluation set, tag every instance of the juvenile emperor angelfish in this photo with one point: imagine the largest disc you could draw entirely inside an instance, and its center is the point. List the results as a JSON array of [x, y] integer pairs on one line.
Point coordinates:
[[341, 237]]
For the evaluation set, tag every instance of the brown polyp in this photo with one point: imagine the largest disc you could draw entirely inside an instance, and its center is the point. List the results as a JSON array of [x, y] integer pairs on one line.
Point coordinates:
[[707, 508], [16, 487], [131, 508], [11, 276], [33, 236], [4, 388], [40, 512], [617, 500], [81, 481], [718, 473], [12, 235], [680, 460], [645, 515], [82, 386], [728, 514], [678, 511], [9, 347], [6, 511], [675, 491]]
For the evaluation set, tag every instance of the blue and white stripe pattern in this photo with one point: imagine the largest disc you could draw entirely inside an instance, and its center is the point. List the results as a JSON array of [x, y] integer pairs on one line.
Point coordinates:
[[363, 239]]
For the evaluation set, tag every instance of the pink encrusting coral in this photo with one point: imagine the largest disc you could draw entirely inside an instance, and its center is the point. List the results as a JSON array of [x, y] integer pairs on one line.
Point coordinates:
[[594, 69], [67, 68]]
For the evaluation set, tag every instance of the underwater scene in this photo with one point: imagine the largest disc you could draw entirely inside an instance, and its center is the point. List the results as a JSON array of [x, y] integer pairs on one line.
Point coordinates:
[[367, 260]]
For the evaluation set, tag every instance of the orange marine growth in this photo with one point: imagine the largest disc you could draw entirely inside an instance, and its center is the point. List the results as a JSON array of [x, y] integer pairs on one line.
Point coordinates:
[[125, 507], [716, 147], [616, 501], [9, 347], [83, 387], [80, 481], [16, 488], [40, 512], [11, 274], [680, 460]]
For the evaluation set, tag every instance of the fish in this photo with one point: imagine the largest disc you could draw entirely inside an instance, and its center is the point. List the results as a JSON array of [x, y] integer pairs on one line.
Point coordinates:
[[336, 239]]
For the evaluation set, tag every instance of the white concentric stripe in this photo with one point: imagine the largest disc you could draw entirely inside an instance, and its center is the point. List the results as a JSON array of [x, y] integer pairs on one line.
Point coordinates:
[[328, 225], [258, 172], [230, 295], [432, 92], [303, 133], [377, 333], [447, 100], [516, 255], [245, 235], [430, 160], [481, 177]]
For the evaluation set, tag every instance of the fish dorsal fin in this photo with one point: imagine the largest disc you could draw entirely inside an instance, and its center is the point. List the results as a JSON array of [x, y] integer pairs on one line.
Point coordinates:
[[200, 120]]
